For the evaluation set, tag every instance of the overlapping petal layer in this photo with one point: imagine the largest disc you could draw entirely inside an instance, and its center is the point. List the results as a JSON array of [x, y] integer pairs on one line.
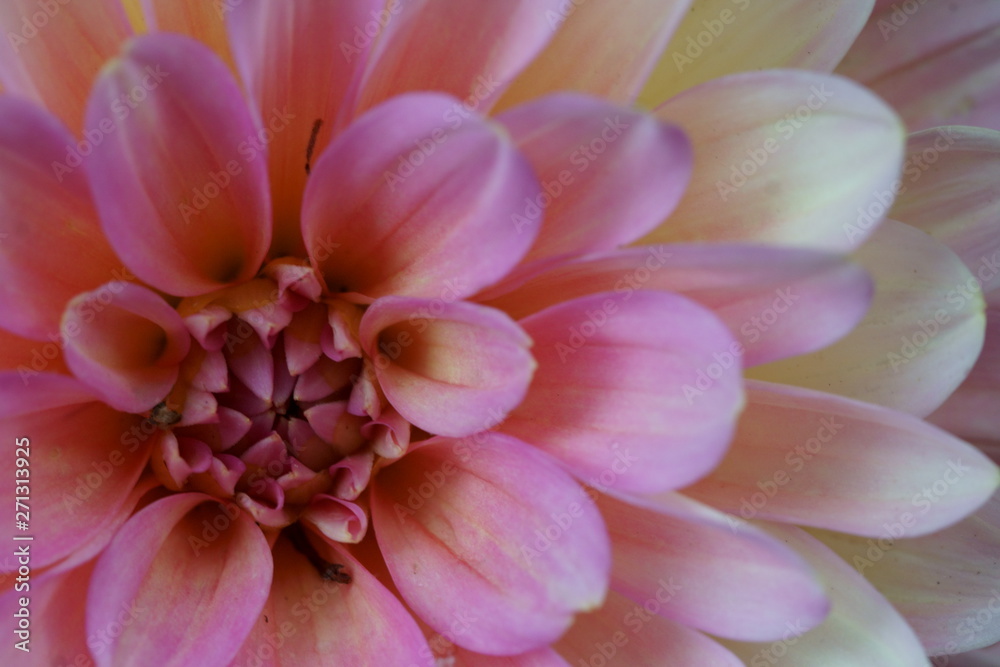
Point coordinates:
[[44, 203], [845, 465], [490, 528], [195, 572], [918, 341], [778, 302], [756, 139], [414, 200], [642, 391], [83, 459], [191, 214], [936, 61]]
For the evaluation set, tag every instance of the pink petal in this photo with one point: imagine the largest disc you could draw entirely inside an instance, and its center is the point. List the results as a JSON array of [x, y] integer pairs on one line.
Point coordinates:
[[545, 657], [721, 37], [53, 611], [756, 178], [489, 530], [44, 204], [638, 393], [451, 369], [920, 337], [706, 572], [604, 49], [609, 175], [415, 200], [29, 358], [945, 585], [84, 458], [951, 190], [126, 343], [309, 620], [844, 465], [780, 302], [324, 44], [194, 574], [416, 43], [191, 214], [862, 628], [55, 50], [938, 63], [629, 633]]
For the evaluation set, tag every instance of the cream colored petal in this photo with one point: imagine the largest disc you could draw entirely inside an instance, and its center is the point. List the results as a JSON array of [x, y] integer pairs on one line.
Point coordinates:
[[720, 37], [918, 342], [784, 156]]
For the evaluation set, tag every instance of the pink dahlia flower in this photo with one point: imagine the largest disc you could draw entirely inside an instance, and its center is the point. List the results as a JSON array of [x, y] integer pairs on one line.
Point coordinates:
[[353, 342]]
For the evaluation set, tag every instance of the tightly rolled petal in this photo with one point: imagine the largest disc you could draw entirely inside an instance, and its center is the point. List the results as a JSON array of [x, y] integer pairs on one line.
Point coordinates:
[[951, 181], [638, 391], [708, 572], [599, 48], [190, 214], [757, 177], [84, 459], [52, 246], [126, 343], [451, 369], [359, 623], [918, 341], [609, 175], [325, 45], [415, 200], [945, 585], [844, 465], [491, 531], [862, 628], [195, 574], [779, 302], [55, 50], [720, 37], [634, 635], [416, 38], [937, 62]]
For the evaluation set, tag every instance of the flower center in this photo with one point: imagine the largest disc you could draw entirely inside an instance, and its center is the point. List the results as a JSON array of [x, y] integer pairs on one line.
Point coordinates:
[[277, 409]]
